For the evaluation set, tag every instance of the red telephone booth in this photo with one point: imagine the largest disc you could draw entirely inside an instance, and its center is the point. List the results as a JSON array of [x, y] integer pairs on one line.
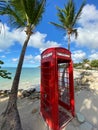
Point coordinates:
[[57, 87]]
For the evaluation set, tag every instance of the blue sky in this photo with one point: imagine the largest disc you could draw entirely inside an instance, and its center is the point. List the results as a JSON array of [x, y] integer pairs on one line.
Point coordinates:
[[46, 35]]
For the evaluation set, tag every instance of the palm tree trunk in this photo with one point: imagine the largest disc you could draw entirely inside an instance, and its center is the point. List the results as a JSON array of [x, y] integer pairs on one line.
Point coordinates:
[[63, 73], [14, 88], [11, 119], [68, 41]]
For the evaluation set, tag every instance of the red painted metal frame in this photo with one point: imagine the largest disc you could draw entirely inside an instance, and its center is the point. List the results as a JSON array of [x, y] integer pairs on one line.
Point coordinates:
[[51, 102]]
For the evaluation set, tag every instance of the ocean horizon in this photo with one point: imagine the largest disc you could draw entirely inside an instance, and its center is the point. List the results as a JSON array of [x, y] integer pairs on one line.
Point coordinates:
[[30, 78]]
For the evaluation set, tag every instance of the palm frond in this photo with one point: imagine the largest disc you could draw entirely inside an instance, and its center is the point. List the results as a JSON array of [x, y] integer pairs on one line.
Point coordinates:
[[58, 25], [6, 8], [23, 12], [29, 9], [69, 12], [68, 18], [18, 7], [77, 16], [60, 15], [40, 8], [0, 26], [74, 32], [34, 10]]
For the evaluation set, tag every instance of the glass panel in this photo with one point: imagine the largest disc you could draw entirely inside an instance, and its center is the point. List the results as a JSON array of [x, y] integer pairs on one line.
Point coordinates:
[[63, 82]]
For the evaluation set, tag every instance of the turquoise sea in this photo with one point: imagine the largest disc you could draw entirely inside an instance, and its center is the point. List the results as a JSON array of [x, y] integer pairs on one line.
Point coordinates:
[[30, 77]]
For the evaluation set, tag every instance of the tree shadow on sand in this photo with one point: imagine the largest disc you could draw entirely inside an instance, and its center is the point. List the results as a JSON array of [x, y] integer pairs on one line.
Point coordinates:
[[86, 103]]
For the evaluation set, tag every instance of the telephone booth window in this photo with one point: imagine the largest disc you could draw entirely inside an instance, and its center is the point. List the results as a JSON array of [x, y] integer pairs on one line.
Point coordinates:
[[57, 90], [63, 82]]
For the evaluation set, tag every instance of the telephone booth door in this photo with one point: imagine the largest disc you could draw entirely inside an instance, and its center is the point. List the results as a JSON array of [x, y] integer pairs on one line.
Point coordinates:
[[57, 90]]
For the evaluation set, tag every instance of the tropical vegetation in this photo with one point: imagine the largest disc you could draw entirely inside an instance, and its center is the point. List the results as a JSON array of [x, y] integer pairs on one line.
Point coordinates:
[[22, 14], [4, 73], [68, 18], [92, 63]]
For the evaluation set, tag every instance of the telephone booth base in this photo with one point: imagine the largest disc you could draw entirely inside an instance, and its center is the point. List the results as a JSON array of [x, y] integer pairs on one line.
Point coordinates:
[[64, 118], [57, 87]]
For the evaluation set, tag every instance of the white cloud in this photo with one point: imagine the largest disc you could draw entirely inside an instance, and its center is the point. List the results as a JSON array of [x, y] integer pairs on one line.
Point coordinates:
[[37, 40], [78, 56], [28, 58], [32, 59], [49, 44], [1, 50], [3, 56], [88, 32], [15, 59], [93, 56], [6, 38], [37, 58], [89, 15], [87, 37]]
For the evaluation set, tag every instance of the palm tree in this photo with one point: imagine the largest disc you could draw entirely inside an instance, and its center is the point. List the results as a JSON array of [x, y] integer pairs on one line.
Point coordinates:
[[28, 14], [85, 60], [68, 19]]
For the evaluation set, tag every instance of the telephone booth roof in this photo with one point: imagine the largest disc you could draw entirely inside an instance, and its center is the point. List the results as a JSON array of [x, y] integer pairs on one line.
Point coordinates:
[[60, 52]]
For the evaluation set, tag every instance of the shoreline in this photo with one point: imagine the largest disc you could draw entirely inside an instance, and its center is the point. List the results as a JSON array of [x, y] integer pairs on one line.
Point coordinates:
[[31, 83], [86, 97], [30, 77]]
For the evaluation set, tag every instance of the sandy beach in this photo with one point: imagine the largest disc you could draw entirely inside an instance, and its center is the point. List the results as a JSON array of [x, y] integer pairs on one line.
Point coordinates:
[[86, 103]]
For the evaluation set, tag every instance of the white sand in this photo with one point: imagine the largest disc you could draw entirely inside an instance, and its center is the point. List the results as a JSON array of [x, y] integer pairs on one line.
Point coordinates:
[[86, 102], [29, 113]]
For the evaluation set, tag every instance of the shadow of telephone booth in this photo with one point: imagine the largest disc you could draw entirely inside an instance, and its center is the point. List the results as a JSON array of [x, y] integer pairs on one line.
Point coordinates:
[[57, 87]]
